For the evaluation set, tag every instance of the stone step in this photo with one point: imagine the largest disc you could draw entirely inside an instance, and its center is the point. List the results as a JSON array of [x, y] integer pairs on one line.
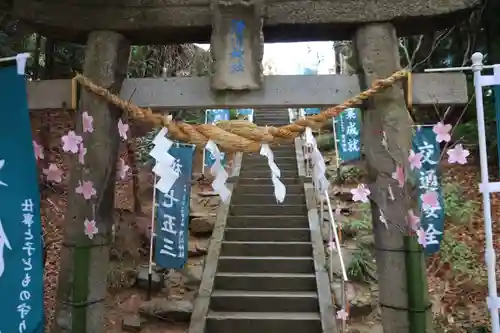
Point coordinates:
[[265, 282], [277, 153], [262, 249], [290, 159], [266, 189], [254, 221], [263, 301], [268, 181], [265, 264], [274, 123], [269, 209], [258, 199], [264, 165], [273, 116], [263, 172], [268, 234], [264, 322]]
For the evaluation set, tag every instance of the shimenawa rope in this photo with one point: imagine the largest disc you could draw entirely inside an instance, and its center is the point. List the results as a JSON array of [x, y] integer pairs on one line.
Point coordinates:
[[237, 135]]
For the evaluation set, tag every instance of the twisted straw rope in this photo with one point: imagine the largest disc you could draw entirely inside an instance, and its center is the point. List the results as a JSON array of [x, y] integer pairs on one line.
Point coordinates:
[[236, 135]]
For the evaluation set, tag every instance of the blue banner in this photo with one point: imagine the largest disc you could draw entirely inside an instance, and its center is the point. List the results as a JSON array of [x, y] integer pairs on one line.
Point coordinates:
[[21, 257], [348, 132], [247, 113], [311, 111], [213, 116], [430, 197], [172, 214]]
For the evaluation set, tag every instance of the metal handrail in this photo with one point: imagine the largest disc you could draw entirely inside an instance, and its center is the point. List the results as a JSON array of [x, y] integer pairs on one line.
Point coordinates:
[[333, 230]]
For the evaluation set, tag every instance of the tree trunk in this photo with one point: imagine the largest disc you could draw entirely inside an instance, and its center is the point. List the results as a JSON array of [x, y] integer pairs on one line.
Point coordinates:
[[378, 57], [84, 261]]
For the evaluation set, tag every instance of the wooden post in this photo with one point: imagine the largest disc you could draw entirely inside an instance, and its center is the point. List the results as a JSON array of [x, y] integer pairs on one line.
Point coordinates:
[[378, 57], [84, 261]]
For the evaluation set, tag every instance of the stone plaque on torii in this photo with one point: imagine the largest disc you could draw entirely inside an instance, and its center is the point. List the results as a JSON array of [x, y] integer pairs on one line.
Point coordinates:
[[236, 30]]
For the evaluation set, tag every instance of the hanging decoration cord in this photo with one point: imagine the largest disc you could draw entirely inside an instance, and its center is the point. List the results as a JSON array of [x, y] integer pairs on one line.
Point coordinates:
[[237, 135]]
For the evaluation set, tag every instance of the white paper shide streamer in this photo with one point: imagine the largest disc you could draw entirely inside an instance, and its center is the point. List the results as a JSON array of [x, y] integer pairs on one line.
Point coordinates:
[[318, 164], [164, 162], [217, 170], [279, 187]]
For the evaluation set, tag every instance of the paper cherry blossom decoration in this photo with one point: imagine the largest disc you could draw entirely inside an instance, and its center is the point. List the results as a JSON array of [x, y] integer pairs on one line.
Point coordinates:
[[399, 175], [342, 314], [430, 199], [360, 193], [90, 228], [413, 220], [458, 154], [81, 153], [415, 160], [86, 188], [442, 132], [123, 169], [421, 237], [122, 129], [38, 151], [71, 141], [331, 246], [53, 173], [87, 122]]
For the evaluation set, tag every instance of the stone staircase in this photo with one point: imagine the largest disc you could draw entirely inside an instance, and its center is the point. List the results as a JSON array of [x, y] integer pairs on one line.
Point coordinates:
[[265, 279]]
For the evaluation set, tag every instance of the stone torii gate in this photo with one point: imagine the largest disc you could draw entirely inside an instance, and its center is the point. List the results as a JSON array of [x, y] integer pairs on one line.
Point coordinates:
[[236, 30]]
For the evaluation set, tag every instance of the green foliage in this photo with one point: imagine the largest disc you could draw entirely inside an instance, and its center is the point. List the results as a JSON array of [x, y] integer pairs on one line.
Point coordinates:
[[144, 145], [362, 265], [348, 174], [461, 257], [457, 209]]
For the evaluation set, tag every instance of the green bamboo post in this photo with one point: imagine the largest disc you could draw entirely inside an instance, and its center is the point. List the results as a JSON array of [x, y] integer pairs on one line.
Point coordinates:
[[418, 303]]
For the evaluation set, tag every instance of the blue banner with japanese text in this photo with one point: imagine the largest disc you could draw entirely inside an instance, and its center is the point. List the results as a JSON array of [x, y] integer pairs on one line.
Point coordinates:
[[21, 257], [247, 113], [211, 117], [430, 197], [348, 132], [172, 213]]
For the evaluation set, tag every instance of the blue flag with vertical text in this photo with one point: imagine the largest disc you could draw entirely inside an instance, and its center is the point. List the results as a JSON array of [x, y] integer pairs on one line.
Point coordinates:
[[348, 132], [21, 257], [430, 196], [172, 213], [212, 116]]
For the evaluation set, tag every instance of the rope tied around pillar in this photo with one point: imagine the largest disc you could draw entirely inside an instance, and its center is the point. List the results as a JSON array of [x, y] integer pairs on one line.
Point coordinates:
[[237, 135]]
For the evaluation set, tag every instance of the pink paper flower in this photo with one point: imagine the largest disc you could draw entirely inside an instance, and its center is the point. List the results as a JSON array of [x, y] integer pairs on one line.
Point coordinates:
[[331, 246], [87, 122], [442, 132], [458, 154], [342, 314], [360, 193], [421, 237], [123, 169], [86, 189], [399, 175], [430, 199], [53, 173], [90, 228], [413, 220], [81, 154], [415, 160], [71, 141], [38, 151], [122, 129]]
